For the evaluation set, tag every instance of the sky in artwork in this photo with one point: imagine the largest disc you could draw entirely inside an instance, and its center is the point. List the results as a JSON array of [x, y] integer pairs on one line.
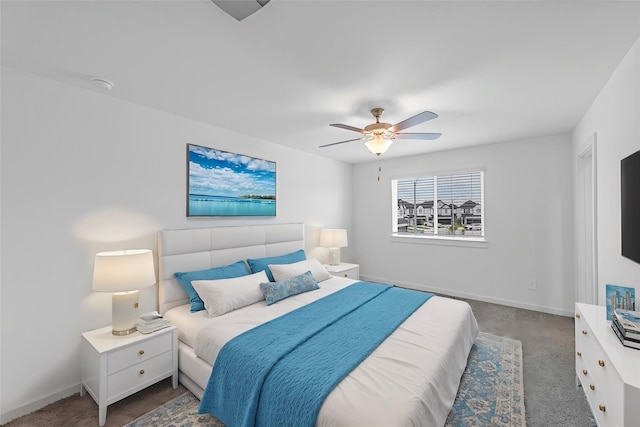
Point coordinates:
[[221, 173]]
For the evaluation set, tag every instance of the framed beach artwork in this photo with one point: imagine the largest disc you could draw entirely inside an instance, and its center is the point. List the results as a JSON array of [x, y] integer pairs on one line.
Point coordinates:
[[221, 183], [620, 297]]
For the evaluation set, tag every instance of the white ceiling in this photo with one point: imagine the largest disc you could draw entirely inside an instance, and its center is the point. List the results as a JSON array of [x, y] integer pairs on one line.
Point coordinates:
[[493, 71]]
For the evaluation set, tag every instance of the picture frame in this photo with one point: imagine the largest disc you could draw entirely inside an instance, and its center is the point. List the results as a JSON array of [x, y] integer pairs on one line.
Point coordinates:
[[222, 183], [619, 297]]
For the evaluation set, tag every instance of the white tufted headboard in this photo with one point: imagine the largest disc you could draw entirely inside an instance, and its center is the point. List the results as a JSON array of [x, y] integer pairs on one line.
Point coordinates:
[[201, 248]]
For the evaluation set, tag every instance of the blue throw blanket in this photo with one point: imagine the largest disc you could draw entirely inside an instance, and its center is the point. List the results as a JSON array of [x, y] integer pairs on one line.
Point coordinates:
[[279, 373]]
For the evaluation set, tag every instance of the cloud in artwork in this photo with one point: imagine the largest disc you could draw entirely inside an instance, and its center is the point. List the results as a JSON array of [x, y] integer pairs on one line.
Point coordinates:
[[250, 163], [220, 173]]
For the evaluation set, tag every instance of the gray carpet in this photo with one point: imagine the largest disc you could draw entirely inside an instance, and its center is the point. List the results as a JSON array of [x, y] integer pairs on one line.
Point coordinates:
[[551, 398]]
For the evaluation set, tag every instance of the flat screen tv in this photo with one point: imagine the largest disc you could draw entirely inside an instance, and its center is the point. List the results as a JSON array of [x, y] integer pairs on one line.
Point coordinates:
[[630, 196]]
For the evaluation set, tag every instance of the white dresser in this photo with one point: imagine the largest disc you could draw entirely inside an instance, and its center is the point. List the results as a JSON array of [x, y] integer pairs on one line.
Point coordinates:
[[114, 367], [608, 371]]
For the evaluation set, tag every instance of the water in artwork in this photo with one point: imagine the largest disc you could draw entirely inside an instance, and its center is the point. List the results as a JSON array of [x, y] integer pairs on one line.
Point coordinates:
[[201, 205]]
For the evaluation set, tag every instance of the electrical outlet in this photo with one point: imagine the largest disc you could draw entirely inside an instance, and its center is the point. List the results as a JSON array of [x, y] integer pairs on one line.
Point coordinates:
[[532, 284]]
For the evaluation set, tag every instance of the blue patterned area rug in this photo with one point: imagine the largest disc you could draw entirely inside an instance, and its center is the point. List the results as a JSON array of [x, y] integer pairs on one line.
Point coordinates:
[[490, 392]]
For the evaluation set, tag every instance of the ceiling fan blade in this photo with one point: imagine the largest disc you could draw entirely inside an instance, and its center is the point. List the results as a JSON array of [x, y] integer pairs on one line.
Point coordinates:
[[341, 142], [412, 121], [347, 127], [428, 136]]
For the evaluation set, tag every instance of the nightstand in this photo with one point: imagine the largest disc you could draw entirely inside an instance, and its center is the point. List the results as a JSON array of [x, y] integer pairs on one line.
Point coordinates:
[[344, 269], [114, 367]]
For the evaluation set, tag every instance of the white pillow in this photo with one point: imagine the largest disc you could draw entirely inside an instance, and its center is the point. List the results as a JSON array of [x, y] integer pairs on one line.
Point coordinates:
[[285, 271], [225, 295]]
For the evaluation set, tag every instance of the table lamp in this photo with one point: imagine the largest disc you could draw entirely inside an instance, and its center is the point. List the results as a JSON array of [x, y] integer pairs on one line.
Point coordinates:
[[123, 273], [334, 239]]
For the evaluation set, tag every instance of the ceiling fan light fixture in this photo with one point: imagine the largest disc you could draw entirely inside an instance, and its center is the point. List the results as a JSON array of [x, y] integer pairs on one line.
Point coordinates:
[[378, 127], [378, 144], [379, 136]]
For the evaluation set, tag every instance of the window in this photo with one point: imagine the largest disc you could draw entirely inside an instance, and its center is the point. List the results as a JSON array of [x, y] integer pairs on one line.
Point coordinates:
[[447, 205]]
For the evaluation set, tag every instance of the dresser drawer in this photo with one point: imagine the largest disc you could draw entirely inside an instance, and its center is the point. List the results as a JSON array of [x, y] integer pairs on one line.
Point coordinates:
[[592, 359], [605, 409], [602, 372], [130, 355], [607, 370], [136, 376], [587, 347]]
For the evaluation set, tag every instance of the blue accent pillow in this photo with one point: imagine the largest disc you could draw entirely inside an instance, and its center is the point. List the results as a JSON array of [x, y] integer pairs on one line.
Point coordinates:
[[262, 264], [236, 269], [276, 291]]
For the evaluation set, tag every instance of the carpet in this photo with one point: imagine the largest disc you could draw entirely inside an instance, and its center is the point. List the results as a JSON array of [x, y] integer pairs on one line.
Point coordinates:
[[490, 394]]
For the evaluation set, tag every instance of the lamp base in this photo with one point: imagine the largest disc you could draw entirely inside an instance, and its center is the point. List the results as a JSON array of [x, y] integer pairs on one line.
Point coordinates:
[[127, 332], [124, 312], [334, 256]]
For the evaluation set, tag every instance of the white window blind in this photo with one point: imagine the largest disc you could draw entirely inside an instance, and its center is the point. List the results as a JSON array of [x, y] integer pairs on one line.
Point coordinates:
[[439, 205]]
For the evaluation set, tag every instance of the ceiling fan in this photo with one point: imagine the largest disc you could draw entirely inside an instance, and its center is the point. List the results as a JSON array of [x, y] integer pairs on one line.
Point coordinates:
[[378, 137]]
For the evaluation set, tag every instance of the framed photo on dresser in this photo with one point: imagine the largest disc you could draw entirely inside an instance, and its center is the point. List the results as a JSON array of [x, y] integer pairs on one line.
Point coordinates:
[[620, 297]]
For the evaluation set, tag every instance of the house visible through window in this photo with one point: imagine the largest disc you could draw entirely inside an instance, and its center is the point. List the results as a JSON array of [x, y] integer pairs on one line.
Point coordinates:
[[439, 205]]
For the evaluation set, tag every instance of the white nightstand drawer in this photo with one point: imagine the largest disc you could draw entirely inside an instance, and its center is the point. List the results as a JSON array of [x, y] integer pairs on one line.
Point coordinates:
[[135, 376], [351, 271], [127, 356], [351, 274]]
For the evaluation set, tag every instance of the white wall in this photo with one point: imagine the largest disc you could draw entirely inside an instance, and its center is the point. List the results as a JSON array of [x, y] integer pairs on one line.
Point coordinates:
[[84, 172], [615, 117], [528, 212]]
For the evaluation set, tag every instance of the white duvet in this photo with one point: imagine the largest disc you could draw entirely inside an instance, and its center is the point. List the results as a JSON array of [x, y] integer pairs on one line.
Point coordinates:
[[411, 379]]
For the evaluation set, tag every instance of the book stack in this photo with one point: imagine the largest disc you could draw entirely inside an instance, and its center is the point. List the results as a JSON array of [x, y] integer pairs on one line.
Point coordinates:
[[151, 322], [626, 325]]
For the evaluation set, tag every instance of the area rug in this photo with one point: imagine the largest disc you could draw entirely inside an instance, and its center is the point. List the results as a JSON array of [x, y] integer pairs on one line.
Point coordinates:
[[490, 392]]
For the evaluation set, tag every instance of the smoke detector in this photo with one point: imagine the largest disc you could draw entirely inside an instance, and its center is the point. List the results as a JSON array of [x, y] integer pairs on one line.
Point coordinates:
[[102, 83]]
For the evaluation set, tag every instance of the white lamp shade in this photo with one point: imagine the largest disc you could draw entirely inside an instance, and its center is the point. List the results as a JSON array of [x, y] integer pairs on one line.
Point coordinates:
[[333, 238], [121, 271], [378, 144]]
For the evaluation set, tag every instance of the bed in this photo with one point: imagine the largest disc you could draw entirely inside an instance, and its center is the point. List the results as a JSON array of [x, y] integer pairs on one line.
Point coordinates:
[[410, 379]]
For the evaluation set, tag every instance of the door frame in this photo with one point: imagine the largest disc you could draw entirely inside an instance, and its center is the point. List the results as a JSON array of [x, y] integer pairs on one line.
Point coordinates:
[[587, 224]]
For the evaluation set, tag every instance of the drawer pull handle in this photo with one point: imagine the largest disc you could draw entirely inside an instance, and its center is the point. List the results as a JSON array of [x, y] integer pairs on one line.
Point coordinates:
[[601, 362], [579, 354], [602, 408], [577, 315], [141, 352], [346, 275], [592, 387], [584, 371], [584, 332], [141, 371]]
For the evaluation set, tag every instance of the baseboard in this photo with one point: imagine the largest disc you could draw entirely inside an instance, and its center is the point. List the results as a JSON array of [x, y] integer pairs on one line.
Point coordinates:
[[454, 294], [38, 404]]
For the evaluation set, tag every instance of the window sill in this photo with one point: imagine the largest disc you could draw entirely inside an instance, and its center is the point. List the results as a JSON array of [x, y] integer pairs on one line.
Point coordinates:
[[468, 242]]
